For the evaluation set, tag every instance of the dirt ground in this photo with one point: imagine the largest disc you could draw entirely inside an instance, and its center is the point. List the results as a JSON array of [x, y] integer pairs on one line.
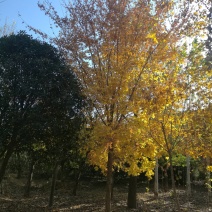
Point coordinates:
[[90, 197]]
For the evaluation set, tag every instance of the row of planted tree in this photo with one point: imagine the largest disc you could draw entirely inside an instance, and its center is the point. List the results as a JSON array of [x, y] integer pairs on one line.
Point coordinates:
[[139, 87], [40, 176]]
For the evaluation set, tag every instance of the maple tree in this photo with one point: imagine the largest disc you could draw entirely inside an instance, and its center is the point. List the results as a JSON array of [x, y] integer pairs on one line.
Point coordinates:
[[167, 118], [179, 82], [200, 129], [118, 50]]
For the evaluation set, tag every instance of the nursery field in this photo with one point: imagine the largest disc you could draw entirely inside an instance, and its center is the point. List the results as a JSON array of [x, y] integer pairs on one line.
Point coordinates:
[[90, 197]]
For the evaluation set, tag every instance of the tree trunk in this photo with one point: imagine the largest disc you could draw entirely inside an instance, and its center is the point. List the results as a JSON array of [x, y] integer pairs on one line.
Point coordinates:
[[109, 181], [208, 177], [131, 200], [112, 187], [77, 178], [54, 178], [29, 178], [173, 182], [10, 149], [156, 179], [19, 166], [166, 179], [188, 176], [5, 162]]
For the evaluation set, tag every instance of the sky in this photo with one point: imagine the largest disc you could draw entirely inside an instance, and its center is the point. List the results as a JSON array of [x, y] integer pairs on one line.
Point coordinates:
[[30, 14]]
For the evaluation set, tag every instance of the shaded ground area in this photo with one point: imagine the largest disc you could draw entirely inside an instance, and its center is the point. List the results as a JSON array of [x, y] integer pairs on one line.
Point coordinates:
[[90, 197]]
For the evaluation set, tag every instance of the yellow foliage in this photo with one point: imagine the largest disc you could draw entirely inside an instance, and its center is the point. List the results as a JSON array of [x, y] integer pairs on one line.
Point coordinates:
[[132, 72], [153, 37], [209, 168]]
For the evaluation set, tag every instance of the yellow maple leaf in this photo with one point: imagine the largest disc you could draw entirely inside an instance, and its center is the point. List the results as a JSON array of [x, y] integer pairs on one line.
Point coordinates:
[[153, 37]]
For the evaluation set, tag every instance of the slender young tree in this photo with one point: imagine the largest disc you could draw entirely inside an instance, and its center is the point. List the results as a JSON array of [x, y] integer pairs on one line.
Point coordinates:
[[209, 62]]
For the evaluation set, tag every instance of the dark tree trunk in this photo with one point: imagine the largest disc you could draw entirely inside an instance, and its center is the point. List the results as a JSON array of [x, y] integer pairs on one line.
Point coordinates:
[[109, 181], [131, 201], [173, 182], [112, 187], [77, 178], [54, 178], [166, 179], [156, 183], [188, 176], [208, 177], [29, 178], [8, 153], [19, 166], [5, 162]]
